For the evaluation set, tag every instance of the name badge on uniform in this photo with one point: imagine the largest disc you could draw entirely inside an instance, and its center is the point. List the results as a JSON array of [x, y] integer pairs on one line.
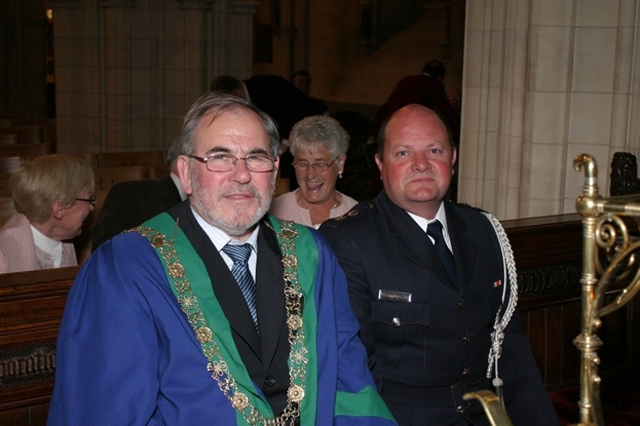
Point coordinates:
[[394, 296]]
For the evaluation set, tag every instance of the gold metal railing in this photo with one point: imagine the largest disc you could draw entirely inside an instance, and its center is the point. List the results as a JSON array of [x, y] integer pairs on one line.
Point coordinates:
[[610, 254]]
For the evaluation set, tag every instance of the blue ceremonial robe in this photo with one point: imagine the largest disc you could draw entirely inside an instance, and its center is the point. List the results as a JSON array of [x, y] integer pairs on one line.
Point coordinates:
[[126, 353]]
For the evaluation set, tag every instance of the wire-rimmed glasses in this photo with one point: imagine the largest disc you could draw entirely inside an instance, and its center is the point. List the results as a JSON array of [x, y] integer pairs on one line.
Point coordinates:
[[303, 166], [223, 162]]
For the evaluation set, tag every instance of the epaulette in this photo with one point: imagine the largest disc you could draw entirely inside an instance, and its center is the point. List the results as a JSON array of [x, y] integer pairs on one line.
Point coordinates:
[[362, 208], [469, 206]]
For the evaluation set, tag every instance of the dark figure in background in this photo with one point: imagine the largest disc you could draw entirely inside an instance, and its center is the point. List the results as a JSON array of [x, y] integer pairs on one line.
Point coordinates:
[[279, 98], [302, 80], [128, 204], [624, 174], [423, 89], [434, 306]]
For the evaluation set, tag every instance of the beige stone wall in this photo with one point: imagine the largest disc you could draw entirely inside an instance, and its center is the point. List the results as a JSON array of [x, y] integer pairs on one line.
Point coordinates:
[[127, 71], [544, 81]]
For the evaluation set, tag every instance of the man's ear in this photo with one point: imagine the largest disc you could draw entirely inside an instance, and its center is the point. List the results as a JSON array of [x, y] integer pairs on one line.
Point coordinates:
[[182, 163], [57, 209]]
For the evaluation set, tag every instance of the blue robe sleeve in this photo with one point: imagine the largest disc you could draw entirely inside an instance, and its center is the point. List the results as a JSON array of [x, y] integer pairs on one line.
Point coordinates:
[[356, 399], [126, 355], [105, 309]]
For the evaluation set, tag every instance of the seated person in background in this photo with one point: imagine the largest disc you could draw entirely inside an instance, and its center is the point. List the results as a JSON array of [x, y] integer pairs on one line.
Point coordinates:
[[52, 197], [279, 98], [128, 204], [302, 81], [319, 147]]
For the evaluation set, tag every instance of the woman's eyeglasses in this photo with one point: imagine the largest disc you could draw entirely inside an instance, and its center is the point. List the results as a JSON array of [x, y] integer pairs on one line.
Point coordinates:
[[91, 201], [303, 166]]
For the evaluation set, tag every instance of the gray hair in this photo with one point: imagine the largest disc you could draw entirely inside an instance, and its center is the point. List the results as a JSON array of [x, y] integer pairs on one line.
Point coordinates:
[[219, 103], [319, 131]]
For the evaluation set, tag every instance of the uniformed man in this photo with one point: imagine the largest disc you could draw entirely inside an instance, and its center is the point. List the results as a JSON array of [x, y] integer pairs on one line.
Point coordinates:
[[427, 282]]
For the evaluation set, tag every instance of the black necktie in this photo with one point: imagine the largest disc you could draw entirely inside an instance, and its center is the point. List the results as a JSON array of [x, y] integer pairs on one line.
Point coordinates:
[[240, 253], [434, 230]]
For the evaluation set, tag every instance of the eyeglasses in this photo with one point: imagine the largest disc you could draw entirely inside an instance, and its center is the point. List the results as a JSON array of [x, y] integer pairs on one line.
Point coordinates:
[[303, 166], [91, 201], [226, 162]]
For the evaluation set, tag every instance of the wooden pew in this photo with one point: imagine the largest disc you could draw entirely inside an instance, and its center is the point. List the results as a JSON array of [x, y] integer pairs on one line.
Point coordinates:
[[547, 251], [25, 150], [548, 254], [31, 305]]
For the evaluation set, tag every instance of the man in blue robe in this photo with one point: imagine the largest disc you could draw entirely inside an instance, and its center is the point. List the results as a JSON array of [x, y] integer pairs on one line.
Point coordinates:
[[164, 325]]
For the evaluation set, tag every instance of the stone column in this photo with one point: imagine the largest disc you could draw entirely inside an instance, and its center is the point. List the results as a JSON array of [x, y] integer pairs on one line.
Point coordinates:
[[544, 81]]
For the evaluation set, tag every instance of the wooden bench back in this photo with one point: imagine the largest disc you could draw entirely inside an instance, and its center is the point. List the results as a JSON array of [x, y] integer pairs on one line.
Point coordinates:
[[31, 306]]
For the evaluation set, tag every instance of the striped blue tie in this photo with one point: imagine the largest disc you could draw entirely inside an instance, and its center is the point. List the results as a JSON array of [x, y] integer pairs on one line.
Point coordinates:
[[240, 253]]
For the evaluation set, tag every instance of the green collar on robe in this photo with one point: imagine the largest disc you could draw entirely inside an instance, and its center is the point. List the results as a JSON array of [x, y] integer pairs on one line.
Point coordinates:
[[195, 272]]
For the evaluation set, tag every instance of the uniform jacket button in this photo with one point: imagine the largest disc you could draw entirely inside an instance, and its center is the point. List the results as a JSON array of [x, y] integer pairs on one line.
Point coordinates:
[[269, 381], [461, 304], [396, 322]]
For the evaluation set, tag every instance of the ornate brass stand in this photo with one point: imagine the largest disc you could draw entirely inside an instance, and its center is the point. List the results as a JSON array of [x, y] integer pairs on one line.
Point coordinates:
[[609, 255]]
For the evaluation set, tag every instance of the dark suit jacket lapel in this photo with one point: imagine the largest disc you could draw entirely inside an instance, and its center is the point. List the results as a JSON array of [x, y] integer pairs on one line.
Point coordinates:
[[414, 242], [224, 285], [464, 247], [270, 293]]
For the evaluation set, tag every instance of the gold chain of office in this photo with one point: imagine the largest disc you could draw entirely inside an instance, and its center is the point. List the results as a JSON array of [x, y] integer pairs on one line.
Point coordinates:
[[217, 365]]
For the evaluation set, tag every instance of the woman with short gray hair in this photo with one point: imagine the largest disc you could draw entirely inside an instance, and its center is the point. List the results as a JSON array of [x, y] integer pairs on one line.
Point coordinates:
[[319, 146]]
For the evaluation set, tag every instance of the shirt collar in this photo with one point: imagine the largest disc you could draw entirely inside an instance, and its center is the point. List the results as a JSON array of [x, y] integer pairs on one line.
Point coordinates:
[[220, 238], [440, 216]]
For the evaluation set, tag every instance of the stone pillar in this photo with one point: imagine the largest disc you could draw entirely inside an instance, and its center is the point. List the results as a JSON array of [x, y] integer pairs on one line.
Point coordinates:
[[544, 81], [231, 46]]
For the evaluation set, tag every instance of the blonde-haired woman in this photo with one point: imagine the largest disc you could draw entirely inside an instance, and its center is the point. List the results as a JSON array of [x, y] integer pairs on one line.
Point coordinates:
[[52, 198], [319, 146]]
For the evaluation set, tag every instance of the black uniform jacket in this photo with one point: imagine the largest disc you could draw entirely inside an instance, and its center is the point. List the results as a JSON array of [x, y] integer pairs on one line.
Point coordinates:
[[128, 204], [428, 338]]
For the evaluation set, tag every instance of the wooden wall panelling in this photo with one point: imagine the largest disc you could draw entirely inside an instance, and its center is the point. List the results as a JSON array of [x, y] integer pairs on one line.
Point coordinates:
[[8, 138], [31, 306], [109, 176], [26, 150], [140, 158]]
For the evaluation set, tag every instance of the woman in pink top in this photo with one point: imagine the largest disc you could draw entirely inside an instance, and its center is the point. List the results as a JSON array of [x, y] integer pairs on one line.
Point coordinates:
[[52, 198], [319, 147]]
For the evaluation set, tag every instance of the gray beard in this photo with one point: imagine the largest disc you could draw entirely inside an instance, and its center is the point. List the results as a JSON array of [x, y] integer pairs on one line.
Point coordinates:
[[230, 227]]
